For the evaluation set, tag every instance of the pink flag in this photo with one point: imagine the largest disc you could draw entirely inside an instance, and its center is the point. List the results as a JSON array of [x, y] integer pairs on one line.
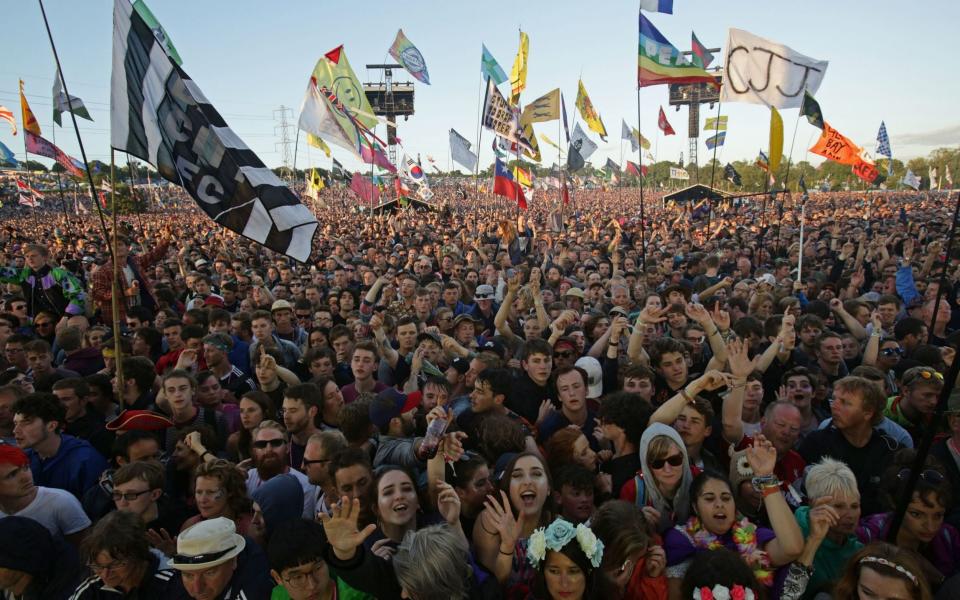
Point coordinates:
[[377, 157], [364, 188]]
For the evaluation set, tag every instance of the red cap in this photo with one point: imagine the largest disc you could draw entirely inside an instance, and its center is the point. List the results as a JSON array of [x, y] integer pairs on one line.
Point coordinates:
[[12, 455], [141, 420], [214, 301]]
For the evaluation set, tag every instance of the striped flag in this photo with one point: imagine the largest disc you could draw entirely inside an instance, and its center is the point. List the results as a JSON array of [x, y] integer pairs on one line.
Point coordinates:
[[28, 195], [161, 116], [716, 123], [659, 61], [717, 140], [63, 103], [660, 6], [7, 115]]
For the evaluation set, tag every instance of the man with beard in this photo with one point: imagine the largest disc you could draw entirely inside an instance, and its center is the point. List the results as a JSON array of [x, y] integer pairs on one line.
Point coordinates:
[[301, 404], [270, 455]]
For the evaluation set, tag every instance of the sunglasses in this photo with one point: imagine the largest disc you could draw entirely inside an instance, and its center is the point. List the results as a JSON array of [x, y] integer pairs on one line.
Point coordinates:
[[891, 352], [674, 461], [928, 475], [128, 496], [261, 444], [563, 354], [928, 375]]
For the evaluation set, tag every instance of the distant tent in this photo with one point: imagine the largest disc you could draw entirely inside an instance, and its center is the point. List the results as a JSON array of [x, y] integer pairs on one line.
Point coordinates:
[[696, 193], [395, 204]]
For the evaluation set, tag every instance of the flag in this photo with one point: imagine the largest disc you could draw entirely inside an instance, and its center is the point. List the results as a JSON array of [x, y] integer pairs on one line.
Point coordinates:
[[61, 102], [414, 178], [335, 79], [364, 188], [490, 68], [635, 169], [518, 74], [157, 29], [548, 141], [581, 148], [37, 145], [659, 61], [810, 108], [523, 177], [528, 142], [762, 161], [28, 195], [716, 124], [933, 175], [589, 113], [883, 141], [7, 158], [644, 142], [315, 184], [498, 151], [611, 166], [803, 187], [504, 185], [785, 73], [337, 171], [544, 108], [563, 113], [676, 173], [834, 146], [29, 121], [867, 171], [373, 155], [701, 56], [405, 53], [627, 134], [663, 124], [318, 142], [716, 140], [7, 115], [776, 139], [320, 118], [460, 151], [159, 115], [501, 118], [731, 175], [910, 179], [660, 6]]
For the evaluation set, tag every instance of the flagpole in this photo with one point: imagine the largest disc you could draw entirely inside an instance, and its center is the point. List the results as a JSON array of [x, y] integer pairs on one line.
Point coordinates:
[[643, 225], [620, 180], [133, 197], [480, 106], [786, 177], [76, 128], [63, 199], [713, 167], [115, 289], [803, 215]]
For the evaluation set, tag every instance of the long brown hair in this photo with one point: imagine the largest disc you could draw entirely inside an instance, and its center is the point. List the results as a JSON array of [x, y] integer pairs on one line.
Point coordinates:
[[886, 560]]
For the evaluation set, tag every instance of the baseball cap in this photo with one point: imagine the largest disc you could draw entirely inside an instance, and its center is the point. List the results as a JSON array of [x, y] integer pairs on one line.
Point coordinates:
[[13, 455], [139, 420], [461, 364], [390, 404], [281, 305], [495, 347], [767, 278], [594, 375]]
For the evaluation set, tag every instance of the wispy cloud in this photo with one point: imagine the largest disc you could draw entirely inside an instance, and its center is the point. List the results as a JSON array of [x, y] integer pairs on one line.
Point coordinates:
[[946, 136]]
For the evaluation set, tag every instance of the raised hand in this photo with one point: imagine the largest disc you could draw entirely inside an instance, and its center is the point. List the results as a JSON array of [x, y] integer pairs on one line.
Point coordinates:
[[740, 364], [698, 313], [721, 318], [448, 503], [513, 285], [502, 519], [822, 517], [341, 527], [546, 407], [761, 456], [652, 314], [713, 379]]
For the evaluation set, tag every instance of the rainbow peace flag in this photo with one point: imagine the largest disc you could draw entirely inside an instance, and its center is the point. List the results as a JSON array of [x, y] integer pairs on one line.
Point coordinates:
[[659, 61]]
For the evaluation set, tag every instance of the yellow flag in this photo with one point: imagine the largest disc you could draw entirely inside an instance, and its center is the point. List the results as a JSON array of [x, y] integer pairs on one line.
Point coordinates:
[[589, 113], [544, 108], [534, 152], [333, 74], [776, 140], [29, 121], [318, 143], [644, 142], [522, 176], [549, 141], [518, 74], [317, 181]]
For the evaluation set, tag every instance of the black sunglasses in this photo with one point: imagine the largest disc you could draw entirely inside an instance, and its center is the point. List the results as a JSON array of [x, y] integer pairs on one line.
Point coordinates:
[[674, 461], [261, 444], [928, 475], [891, 352]]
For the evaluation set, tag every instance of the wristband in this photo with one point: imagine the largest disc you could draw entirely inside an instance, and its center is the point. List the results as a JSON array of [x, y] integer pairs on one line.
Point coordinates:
[[506, 553], [205, 452], [769, 490], [761, 481], [686, 396]]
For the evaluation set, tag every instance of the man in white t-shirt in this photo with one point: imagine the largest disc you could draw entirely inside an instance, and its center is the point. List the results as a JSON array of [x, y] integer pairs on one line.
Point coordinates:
[[57, 510]]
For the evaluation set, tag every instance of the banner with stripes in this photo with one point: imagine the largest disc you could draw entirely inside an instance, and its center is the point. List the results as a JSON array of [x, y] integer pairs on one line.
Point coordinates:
[[716, 140], [160, 115]]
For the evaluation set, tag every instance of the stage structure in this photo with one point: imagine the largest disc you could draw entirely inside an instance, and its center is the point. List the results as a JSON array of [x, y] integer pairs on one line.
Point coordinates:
[[693, 95], [391, 100]]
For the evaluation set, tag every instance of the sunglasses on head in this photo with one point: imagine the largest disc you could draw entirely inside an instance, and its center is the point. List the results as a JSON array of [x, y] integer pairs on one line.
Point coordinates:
[[674, 461], [261, 444], [928, 475], [927, 374]]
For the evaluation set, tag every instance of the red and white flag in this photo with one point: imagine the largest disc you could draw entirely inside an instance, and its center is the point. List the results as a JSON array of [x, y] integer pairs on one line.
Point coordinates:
[[7, 115], [663, 124]]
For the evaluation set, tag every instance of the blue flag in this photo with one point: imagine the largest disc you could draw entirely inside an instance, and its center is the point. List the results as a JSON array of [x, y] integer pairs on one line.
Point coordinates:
[[489, 67], [7, 159], [717, 140]]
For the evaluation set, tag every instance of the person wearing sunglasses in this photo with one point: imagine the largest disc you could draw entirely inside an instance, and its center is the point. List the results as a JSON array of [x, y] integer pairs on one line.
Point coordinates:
[[923, 530], [917, 402], [271, 457]]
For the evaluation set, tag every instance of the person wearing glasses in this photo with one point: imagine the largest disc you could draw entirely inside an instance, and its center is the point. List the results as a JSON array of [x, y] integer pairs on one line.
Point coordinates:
[[296, 555], [46, 287], [317, 456], [271, 457], [936, 544], [59, 511], [138, 489], [917, 402]]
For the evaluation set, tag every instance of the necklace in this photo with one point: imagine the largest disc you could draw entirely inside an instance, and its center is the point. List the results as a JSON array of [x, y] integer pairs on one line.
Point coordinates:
[[744, 537]]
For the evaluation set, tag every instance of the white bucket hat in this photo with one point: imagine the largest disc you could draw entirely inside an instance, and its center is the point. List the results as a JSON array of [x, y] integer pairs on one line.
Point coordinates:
[[207, 544]]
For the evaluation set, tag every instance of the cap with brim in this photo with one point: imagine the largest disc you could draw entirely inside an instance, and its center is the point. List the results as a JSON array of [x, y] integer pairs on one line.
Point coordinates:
[[139, 420], [574, 292], [483, 292], [381, 412], [281, 305], [13, 455], [618, 310], [207, 544], [427, 335], [594, 375], [465, 317], [495, 347]]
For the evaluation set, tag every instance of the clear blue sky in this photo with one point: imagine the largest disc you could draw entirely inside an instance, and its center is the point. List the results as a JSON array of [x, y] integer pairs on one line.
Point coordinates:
[[249, 57]]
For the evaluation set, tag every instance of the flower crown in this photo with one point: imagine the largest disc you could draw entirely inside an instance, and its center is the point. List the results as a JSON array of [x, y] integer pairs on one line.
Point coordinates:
[[559, 534], [719, 592]]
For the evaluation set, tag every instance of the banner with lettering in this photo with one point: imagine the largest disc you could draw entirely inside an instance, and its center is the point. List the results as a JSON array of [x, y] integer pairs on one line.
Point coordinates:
[[835, 146]]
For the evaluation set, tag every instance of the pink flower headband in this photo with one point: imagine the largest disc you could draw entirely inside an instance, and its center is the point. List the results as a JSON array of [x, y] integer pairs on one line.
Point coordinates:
[[719, 592]]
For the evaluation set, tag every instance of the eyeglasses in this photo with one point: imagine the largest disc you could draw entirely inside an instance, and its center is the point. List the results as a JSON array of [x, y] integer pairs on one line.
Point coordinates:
[[299, 579], [892, 352], [43, 324], [128, 496], [674, 461], [307, 463], [928, 475], [113, 566], [261, 444]]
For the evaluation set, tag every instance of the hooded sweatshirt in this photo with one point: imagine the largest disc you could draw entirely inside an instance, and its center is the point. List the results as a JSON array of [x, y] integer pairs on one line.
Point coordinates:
[[671, 511], [280, 499], [76, 467]]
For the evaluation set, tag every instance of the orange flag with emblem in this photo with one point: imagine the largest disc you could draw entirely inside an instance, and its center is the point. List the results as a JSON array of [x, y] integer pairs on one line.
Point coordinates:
[[836, 147], [29, 121]]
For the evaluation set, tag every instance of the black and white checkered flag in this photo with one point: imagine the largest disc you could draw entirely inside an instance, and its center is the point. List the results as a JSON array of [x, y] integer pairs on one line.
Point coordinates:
[[160, 115]]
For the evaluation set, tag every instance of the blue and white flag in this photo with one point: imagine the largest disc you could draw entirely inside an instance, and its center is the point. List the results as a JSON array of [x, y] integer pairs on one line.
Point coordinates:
[[910, 179], [405, 53], [883, 147], [716, 140], [660, 6], [7, 158], [490, 68]]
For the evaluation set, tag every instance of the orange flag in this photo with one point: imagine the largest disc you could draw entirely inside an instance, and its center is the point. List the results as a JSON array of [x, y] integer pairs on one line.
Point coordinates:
[[833, 145], [29, 121]]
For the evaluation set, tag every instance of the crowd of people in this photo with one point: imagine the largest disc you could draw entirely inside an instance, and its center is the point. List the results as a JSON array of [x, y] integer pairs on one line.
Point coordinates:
[[474, 402]]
